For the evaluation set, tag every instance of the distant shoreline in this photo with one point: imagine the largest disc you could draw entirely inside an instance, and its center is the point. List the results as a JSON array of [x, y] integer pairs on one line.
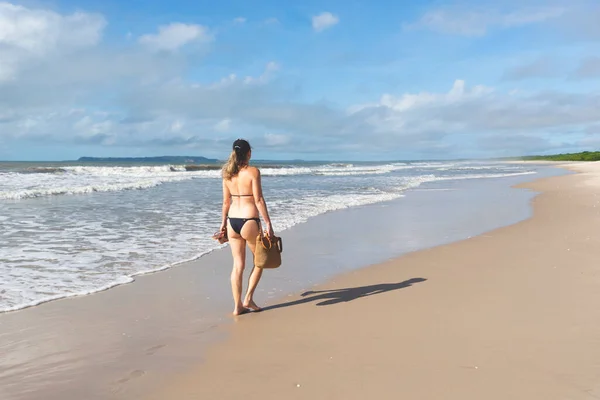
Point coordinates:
[[581, 156]]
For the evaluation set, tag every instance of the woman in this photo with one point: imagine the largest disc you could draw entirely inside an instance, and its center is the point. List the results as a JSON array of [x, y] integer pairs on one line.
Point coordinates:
[[242, 202]]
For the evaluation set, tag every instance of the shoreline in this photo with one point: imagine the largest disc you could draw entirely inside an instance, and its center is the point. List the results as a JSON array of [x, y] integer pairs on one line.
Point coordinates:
[[122, 336], [352, 352], [131, 278]]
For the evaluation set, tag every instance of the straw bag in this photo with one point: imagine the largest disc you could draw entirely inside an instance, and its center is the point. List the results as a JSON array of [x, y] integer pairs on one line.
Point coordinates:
[[268, 251]]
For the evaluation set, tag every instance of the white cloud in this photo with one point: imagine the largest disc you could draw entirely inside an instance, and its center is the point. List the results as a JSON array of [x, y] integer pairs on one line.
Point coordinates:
[[276, 140], [589, 68], [323, 21], [458, 93], [578, 22], [176, 35], [39, 31], [177, 126], [477, 22], [542, 67], [28, 34], [223, 125], [480, 116], [270, 68], [233, 79], [530, 16], [239, 20], [489, 121]]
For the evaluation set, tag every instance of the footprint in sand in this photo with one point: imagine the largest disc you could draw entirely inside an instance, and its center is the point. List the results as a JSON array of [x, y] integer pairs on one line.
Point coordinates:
[[154, 349], [134, 374]]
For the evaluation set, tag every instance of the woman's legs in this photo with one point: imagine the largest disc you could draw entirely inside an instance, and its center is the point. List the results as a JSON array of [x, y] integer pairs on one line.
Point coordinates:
[[238, 251], [255, 276], [249, 232]]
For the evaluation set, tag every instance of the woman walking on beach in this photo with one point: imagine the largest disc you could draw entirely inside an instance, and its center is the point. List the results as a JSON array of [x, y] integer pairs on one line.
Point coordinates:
[[242, 202]]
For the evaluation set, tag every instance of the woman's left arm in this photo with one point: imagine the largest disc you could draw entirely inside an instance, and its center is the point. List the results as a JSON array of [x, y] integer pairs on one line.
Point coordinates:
[[226, 205]]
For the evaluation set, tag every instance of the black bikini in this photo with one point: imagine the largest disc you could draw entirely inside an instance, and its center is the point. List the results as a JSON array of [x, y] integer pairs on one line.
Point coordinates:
[[238, 223]]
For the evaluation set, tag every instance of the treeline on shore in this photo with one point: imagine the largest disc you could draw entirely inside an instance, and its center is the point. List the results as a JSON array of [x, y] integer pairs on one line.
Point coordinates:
[[583, 156]]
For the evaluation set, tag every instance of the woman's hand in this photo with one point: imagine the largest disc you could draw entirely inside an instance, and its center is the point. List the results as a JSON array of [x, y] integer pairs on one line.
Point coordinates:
[[223, 227], [270, 232]]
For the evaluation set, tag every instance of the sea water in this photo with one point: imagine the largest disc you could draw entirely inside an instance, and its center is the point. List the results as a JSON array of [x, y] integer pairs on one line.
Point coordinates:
[[71, 229]]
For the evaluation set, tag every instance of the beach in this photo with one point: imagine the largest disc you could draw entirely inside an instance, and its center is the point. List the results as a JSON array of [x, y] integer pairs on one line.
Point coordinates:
[[511, 314], [434, 178], [462, 299]]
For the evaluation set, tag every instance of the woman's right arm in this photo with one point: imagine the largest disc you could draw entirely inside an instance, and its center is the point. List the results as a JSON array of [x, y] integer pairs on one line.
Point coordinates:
[[259, 200]]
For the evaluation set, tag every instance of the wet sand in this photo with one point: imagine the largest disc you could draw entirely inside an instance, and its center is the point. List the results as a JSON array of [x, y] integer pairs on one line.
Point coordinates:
[[510, 314]]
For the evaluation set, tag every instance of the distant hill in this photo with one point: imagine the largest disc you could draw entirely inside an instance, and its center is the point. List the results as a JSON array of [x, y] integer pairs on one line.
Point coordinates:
[[164, 159]]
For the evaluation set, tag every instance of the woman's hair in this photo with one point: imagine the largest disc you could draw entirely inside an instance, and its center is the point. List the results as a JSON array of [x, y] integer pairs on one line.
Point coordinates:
[[237, 159]]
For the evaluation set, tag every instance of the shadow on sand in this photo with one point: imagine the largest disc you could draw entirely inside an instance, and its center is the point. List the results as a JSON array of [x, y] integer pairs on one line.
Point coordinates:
[[336, 296]]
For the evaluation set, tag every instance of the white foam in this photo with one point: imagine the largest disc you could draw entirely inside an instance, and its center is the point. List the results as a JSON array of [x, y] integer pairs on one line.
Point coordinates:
[[45, 299], [51, 253], [484, 176], [335, 170], [79, 180], [83, 180]]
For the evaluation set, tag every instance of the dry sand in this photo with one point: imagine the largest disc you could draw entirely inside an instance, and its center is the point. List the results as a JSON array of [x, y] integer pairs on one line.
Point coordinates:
[[512, 314]]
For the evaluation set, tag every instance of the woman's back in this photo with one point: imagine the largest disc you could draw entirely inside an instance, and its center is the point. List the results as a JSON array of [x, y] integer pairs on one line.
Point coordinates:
[[241, 190]]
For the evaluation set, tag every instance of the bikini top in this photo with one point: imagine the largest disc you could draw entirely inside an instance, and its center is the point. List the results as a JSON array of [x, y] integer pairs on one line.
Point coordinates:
[[241, 195]]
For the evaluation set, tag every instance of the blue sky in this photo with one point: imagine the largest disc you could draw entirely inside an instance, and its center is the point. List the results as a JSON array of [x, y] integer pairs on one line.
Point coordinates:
[[354, 80]]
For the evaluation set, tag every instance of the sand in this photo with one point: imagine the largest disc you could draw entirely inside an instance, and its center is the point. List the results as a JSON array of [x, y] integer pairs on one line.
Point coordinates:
[[133, 339], [510, 314]]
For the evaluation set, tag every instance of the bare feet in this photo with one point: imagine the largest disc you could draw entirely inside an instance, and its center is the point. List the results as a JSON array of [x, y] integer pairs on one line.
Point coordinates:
[[252, 306], [240, 311]]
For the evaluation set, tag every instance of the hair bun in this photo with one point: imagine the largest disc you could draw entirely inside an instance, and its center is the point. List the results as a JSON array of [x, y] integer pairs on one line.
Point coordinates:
[[242, 146]]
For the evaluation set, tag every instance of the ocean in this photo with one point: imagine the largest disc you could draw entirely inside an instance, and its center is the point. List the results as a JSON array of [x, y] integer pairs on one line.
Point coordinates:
[[71, 229]]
